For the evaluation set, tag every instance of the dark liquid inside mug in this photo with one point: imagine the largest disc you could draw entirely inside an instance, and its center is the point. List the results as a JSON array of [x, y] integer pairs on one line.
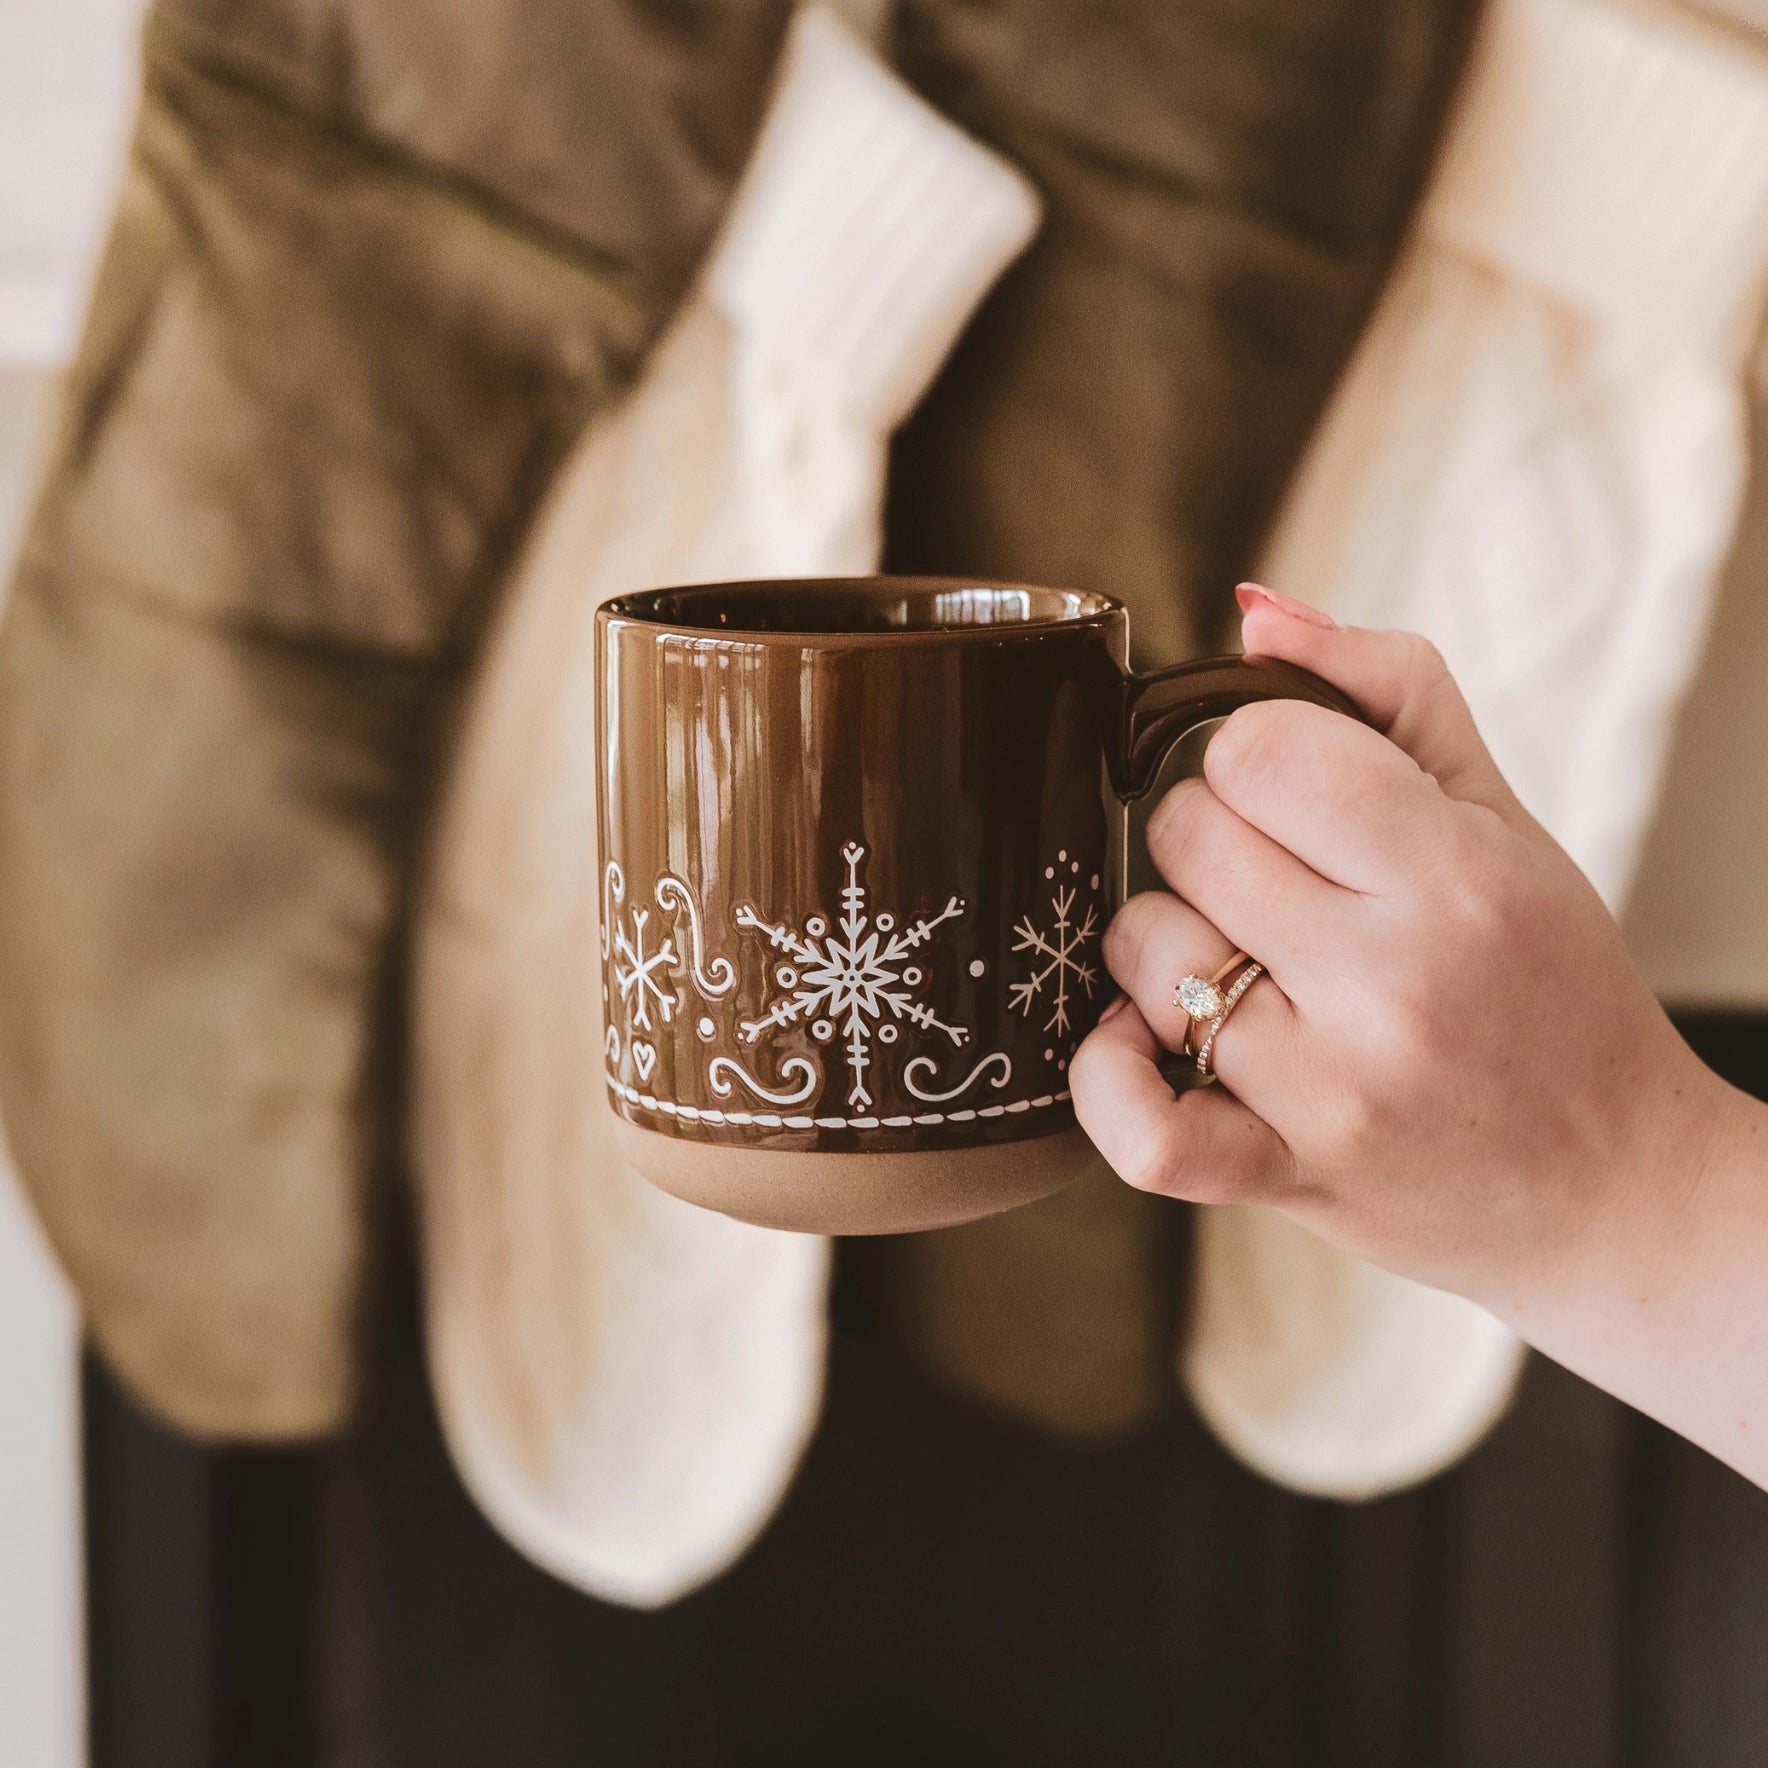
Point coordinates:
[[860, 840]]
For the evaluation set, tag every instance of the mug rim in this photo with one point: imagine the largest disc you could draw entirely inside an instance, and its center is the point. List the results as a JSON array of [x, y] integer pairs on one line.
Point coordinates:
[[659, 610]]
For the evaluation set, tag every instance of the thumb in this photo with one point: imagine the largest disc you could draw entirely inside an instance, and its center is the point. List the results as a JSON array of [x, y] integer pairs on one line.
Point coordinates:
[[1398, 679]]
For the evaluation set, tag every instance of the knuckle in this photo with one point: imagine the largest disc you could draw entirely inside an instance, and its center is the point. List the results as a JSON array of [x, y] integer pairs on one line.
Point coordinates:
[[1404, 1007], [1354, 1125], [1410, 1022], [1403, 1029], [1492, 905], [1424, 672], [1149, 1164], [1159, 1165], [1424, 662], [1252, 748], [1141, 1154], [1167, 1164], [1086, 1075], [1483, 912], [1174, 826], [1128, 934]]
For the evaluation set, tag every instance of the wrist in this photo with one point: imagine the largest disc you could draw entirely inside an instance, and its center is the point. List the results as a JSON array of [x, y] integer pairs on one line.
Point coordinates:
[[1675, 1323], [1621, 1231], [1660, 1292], [1654, 1250]]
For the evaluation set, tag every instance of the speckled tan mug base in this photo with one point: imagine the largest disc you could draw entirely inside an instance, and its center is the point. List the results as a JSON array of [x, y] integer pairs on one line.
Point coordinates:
[[817, 1193]]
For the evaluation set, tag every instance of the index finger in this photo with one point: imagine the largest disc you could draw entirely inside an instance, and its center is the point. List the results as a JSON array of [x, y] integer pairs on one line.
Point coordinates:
[[1338, 795], [1399, 680]]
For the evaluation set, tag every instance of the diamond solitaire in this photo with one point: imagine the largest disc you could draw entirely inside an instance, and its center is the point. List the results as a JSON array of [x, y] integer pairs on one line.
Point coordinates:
[[1199, 997]]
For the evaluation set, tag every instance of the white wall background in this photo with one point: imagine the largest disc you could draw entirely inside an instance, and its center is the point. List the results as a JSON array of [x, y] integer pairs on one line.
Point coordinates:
[[67, 81], [67, 77], [42, 1664]]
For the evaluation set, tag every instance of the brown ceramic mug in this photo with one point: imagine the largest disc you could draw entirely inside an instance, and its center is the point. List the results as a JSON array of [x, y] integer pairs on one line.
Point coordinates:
[[860, 840]]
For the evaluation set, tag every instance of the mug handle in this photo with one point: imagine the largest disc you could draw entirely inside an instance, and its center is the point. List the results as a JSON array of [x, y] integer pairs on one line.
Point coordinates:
[[1160, 708]]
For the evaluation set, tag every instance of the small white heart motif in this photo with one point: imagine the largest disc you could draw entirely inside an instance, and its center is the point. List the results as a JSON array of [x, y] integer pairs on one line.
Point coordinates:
[[644, 1058]]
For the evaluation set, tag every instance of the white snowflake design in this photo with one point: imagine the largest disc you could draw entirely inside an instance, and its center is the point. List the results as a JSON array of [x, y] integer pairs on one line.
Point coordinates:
[[636, 972], [857, 981], [1057, 953]]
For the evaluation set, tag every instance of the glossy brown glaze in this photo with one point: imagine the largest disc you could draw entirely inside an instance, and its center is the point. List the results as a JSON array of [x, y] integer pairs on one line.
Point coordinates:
[[861, 840]]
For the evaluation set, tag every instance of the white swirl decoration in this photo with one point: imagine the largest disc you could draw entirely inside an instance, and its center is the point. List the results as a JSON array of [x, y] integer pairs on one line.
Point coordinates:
[[613, 894], [715, 979], [995, 1056], [720, 1066]]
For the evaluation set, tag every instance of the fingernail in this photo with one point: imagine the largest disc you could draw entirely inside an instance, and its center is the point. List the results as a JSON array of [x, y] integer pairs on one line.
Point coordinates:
[[1116, 1007], [1249, 595]]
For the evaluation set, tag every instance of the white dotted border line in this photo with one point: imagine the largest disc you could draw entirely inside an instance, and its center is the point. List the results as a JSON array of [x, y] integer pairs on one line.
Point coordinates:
[[772, 1120]]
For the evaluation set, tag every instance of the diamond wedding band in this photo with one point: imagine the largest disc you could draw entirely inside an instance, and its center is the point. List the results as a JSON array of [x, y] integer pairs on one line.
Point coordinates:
[[1242, 983], [1207, 1006]]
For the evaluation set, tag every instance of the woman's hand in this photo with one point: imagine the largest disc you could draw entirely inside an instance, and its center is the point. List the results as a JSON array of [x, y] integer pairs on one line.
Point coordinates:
[[1452, 1066]]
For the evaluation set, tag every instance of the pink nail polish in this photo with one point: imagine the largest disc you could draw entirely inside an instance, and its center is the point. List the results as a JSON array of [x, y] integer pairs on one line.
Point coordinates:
[[1248, 595]]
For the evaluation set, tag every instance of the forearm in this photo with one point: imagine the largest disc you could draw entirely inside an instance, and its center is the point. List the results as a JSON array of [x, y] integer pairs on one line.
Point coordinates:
[[1666, 1305]]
